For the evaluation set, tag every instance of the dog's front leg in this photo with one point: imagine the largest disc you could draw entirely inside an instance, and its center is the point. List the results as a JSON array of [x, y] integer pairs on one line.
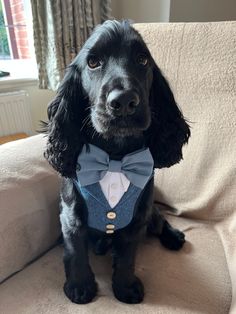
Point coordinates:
[[80, 286], [126, 286]]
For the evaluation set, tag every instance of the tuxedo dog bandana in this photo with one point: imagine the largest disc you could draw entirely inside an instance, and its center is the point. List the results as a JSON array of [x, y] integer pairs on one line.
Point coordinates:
[[98, 176]]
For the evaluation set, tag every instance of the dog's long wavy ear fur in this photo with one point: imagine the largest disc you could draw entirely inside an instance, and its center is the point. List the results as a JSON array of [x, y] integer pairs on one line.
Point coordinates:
[[168, 131], [66, 113]]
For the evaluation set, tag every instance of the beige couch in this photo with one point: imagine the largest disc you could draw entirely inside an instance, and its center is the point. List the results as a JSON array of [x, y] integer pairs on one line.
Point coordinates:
[[200, 62]]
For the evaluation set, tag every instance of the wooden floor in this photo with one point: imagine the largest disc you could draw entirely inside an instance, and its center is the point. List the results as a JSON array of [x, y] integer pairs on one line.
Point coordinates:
[[12, 137]]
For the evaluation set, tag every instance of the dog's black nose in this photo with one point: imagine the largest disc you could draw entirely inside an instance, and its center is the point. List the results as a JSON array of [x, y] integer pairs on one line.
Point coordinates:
[[123, 102]]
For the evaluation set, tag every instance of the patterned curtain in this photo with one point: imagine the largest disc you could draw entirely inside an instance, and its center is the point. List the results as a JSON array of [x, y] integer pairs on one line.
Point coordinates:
[[60, 29]]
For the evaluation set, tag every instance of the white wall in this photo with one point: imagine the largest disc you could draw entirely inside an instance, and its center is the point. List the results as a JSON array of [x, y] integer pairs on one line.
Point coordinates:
[[141, 10], [39, 100], [202, 10], [174, 10]]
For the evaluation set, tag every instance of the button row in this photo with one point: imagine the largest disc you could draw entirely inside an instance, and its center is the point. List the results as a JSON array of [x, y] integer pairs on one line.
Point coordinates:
[[113, 198], [110, 227]]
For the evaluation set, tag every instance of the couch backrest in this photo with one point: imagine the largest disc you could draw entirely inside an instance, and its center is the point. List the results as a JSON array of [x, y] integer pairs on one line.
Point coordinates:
[[199, 60]]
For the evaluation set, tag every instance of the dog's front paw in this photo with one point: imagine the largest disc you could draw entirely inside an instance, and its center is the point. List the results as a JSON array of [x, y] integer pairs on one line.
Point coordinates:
[[81, 293], [171, 238], [129, 292]]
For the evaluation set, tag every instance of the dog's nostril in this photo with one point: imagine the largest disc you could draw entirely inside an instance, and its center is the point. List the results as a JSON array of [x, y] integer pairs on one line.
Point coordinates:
[[133, 103], [115, 105]]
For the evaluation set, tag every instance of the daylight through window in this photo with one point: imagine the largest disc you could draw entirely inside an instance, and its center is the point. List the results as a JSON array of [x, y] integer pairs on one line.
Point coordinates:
[[14, 38]]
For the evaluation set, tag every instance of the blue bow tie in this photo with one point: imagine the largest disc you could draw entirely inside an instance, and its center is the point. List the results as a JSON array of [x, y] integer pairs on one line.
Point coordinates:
[[94, 164]]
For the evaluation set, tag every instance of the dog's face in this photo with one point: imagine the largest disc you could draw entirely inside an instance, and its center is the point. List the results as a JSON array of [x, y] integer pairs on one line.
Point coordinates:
[[115, 90], [117, 71]]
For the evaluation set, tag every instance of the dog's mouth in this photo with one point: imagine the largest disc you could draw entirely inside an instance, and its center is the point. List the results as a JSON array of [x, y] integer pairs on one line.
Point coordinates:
[[109, 126]]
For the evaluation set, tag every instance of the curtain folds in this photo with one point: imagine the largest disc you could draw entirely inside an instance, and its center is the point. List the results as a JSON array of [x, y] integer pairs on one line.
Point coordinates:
[[60, 29]]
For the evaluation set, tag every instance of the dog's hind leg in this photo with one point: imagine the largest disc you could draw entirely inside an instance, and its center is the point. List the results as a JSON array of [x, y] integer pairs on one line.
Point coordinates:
[[171, 238]]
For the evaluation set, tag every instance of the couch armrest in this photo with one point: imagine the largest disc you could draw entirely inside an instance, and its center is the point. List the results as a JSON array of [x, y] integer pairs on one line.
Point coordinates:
[[29, 194]]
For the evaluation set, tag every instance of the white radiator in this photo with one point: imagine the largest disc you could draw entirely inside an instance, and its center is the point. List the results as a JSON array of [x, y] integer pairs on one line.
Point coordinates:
[[15, 116]]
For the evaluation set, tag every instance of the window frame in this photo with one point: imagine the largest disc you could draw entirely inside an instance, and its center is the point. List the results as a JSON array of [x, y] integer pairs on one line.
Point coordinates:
[[20, 69]]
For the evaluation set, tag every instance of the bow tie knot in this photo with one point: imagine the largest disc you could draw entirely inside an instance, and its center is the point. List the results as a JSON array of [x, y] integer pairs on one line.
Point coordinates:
[[95, 163], [114, 166]]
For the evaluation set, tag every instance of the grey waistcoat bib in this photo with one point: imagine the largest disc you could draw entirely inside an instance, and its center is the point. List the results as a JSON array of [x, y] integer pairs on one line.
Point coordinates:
[[101, 215]]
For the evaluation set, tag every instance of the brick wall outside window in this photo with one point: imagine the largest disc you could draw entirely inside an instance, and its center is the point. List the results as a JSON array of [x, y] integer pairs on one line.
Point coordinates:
[[18, 34]]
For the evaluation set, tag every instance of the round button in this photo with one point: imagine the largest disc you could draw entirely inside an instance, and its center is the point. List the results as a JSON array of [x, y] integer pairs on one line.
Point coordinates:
[[113, 199], [109, 231], [110, 226], [111, 215], [114, 186]]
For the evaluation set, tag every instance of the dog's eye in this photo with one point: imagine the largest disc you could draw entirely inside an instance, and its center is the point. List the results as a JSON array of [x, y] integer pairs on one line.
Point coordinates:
[[142, 59], [94, 62]]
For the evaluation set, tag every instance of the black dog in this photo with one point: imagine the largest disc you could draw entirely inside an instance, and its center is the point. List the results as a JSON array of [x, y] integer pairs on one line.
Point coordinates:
[[115, 97]]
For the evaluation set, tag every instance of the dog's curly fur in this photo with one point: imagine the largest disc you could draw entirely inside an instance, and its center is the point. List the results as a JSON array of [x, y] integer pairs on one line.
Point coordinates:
[[80, 114]]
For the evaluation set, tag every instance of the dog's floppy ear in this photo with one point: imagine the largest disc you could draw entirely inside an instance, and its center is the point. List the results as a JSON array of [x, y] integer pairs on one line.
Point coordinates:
[[66, 113], [168, 131]]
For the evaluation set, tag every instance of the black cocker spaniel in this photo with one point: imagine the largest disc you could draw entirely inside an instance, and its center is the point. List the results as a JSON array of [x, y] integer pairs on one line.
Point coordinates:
[[114, 98]]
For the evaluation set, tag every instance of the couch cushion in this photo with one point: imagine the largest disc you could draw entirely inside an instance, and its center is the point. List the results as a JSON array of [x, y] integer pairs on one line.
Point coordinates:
[[29, 191], [199, 59], [193, 280]]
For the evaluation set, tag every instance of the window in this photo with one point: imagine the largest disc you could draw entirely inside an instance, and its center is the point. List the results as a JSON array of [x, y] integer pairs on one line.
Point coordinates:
[[16, 39]]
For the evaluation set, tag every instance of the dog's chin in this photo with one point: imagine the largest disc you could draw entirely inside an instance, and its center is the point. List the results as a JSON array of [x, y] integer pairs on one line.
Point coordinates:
[[116, 132], [120, 128]]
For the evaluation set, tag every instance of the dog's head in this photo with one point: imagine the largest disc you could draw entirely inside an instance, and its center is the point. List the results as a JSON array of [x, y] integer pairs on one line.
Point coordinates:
[[115, 87], [117, 72]]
